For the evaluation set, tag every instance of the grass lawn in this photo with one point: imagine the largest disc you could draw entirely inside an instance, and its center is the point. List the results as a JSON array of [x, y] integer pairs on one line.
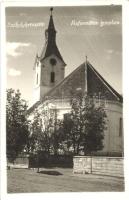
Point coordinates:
[[59, 180]]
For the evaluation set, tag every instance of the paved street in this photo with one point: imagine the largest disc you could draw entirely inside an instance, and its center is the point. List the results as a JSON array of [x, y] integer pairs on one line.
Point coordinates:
[[60, 180]]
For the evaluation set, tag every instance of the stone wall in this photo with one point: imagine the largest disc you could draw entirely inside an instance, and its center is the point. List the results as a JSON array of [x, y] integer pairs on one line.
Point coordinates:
[[20, 162], [112, 166]]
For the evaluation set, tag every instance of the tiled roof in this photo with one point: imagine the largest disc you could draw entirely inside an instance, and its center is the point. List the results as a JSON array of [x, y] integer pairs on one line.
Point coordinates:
[[96, 85]]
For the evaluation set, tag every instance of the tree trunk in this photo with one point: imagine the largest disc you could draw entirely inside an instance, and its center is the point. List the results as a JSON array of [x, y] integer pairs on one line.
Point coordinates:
[[85, 150], [77, 149], [38, 163], [74, 149]]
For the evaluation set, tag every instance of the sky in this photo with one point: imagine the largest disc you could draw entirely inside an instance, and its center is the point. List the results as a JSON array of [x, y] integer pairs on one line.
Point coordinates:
[[92, 31]]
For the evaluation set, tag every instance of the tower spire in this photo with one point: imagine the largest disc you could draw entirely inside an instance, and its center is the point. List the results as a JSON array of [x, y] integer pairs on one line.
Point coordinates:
[[51, 23], [51, 9]]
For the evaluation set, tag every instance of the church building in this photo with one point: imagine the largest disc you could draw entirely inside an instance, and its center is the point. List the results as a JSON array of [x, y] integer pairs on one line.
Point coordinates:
[[51, 87]]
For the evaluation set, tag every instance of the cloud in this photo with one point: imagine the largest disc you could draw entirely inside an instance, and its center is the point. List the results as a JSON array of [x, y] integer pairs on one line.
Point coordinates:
[[111, 51], [23, 14], [16, 48], [14, 72]]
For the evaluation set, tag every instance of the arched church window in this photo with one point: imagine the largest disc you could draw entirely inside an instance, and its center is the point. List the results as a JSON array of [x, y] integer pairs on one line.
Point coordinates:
[[52, 77]]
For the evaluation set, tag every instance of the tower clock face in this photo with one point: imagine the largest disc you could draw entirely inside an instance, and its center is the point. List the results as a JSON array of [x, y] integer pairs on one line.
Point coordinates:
[[53, 61]]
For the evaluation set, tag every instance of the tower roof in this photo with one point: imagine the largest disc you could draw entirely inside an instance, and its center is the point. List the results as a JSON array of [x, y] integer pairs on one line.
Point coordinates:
[[50, 49], [50, 46]]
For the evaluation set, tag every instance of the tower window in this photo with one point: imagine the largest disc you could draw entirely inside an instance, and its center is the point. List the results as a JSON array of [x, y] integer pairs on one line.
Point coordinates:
[[52, 77], [37, 79], [53, 61]]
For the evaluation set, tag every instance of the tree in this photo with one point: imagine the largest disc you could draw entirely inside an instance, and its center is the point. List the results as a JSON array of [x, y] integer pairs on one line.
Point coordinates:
[[67, 137], [35, 129], [37, 138], [74, 124], [84, 127], [16, 124], [45, 131], [45, 134], [52, 128], [56, 135], [94, 117]]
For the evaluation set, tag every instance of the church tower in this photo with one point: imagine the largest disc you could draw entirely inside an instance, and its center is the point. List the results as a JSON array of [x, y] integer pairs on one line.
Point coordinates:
[[49, 66]]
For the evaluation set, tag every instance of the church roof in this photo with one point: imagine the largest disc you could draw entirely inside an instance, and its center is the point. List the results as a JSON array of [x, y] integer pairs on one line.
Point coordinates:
[[96, 86]]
